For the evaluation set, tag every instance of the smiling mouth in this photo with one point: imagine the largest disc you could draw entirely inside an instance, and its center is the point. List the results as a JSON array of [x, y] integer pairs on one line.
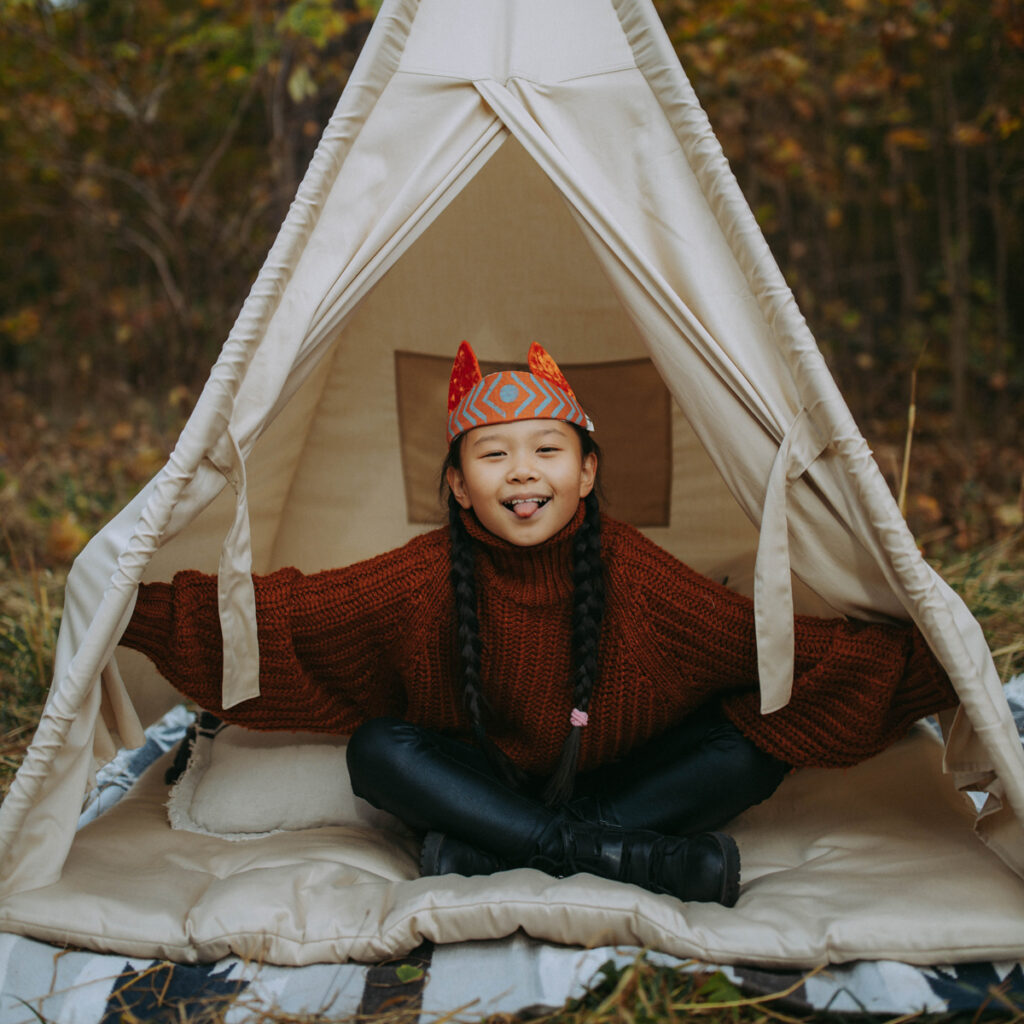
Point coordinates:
[[525, 507]]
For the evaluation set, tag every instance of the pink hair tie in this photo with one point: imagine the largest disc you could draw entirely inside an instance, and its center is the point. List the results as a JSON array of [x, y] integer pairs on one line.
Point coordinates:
[[578, 717]]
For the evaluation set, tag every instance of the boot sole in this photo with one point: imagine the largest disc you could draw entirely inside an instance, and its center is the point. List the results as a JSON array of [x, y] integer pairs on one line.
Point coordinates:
[[430, 853], [730, 891]]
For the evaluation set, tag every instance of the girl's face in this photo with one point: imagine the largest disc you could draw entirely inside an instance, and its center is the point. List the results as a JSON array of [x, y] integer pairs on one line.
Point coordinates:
[[524, 480]]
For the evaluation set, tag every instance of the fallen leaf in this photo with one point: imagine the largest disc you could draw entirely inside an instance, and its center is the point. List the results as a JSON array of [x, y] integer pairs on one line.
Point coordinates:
[[66, 537]]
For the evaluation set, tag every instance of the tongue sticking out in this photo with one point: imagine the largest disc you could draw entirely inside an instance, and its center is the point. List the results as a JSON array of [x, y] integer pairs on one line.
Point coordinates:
[[525, 509]]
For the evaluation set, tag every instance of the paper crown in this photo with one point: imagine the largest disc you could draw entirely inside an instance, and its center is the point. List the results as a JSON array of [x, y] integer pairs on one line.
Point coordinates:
[[541, 393]]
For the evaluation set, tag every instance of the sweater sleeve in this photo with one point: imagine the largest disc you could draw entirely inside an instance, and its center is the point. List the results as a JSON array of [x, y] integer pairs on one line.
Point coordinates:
[[327, 642], [857, 687]]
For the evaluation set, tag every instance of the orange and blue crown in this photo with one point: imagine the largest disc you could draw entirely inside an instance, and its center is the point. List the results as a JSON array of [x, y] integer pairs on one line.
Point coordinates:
[[539, 393]]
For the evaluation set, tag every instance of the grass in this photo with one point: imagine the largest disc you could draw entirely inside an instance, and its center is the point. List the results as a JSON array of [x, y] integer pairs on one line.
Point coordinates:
[[62, 476], [640, 991], [30, 602], [645, 992], [991, 582]]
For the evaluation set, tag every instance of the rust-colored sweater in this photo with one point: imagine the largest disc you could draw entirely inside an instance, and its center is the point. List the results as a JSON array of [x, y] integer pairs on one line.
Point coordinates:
[[377, 638]]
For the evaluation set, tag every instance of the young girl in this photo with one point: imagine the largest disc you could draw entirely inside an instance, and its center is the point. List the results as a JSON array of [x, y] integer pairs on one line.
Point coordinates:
[[538, 685]]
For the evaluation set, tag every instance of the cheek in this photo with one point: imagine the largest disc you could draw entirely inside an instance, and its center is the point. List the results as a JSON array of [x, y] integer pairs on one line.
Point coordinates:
[[477, 484]]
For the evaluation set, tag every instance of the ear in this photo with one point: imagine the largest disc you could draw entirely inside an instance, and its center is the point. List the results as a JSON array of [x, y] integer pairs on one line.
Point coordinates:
[[465, 375], [458, 486], [541, 364], [588, 474]]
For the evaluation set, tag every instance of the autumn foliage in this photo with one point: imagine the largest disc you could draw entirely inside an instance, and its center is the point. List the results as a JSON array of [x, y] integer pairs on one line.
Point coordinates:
[[880, 143], [153, 148]]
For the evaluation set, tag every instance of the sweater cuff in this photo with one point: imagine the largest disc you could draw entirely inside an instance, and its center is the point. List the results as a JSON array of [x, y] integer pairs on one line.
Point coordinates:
[[927, 682], [149, 629]]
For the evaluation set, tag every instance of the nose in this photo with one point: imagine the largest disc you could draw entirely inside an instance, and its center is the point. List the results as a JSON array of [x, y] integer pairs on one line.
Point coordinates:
[[522, 469]]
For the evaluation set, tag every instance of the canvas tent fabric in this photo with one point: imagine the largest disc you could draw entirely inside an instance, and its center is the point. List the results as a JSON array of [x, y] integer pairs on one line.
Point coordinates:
[[480, 179]]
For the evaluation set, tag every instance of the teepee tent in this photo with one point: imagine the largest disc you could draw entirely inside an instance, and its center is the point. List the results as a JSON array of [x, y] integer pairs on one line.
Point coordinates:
[[505, 171]]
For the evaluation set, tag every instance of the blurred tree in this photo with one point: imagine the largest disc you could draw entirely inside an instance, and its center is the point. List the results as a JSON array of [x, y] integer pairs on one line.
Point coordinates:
[[880, 144], [151, 147]]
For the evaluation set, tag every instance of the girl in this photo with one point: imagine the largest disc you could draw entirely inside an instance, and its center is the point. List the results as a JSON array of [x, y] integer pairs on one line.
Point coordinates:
[[539, 685]]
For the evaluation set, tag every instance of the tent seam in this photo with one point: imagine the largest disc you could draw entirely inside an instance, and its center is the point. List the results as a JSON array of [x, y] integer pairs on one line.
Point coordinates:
[[516, 76]]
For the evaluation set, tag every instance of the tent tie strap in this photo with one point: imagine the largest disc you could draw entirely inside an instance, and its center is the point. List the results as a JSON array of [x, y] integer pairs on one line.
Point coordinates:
[[236, 595], [773, 584]]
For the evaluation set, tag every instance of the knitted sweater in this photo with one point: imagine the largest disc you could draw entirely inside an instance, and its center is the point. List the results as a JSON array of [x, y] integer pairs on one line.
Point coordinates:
[[377, 638]]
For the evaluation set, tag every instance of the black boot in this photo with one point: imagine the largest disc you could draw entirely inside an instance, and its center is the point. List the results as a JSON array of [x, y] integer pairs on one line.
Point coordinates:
[[704, 868], [445, 855], [701, 869]]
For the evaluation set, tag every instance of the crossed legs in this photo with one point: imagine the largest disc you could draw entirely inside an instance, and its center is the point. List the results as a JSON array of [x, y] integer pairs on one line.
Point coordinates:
[[619, 825]]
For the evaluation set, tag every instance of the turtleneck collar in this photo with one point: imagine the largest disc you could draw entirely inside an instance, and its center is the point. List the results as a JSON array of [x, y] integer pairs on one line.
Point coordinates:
[[539, 574]]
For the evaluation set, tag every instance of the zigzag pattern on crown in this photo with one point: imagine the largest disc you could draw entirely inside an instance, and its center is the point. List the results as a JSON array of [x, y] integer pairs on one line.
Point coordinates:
[[513, 395]]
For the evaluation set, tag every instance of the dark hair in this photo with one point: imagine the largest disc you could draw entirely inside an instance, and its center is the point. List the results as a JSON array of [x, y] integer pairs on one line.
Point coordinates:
[[588, 611]]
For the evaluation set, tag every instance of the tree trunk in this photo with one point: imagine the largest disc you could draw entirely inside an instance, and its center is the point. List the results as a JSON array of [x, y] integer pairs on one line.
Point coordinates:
[[954, 242], [1000, 273]]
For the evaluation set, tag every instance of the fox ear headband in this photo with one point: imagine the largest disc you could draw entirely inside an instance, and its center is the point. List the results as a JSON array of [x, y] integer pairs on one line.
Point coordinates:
[[540, 393]]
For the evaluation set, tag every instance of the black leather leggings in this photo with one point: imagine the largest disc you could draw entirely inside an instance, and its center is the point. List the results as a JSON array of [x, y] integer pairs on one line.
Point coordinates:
[[693, 778]]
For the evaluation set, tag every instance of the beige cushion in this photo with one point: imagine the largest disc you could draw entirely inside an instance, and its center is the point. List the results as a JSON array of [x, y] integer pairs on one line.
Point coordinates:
[[873, 862], [241, 784]]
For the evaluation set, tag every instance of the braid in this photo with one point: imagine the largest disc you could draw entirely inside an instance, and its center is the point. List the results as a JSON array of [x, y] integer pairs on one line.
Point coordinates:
[[469, 646], [588, 610], [467, 626]]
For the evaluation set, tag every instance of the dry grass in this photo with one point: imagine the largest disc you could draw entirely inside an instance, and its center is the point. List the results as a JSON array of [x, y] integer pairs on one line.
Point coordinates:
[[30, 602], [642, 991], [991, 582], [63, 474]]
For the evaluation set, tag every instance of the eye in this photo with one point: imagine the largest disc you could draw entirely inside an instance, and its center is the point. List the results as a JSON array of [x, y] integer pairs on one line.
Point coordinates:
[[492, 455], [549, 449]]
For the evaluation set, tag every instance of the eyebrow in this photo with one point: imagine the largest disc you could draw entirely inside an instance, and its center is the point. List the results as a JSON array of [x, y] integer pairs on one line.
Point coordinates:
[[498, 438]]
